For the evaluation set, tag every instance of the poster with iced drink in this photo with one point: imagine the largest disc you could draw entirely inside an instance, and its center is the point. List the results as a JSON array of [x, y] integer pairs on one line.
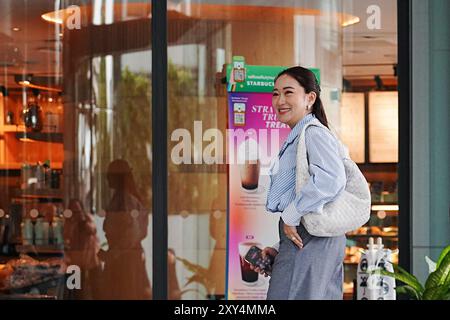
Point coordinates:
[[254, 138]]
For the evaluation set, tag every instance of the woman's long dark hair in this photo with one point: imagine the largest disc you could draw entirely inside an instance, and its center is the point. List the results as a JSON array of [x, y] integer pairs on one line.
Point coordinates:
[[308, 81]]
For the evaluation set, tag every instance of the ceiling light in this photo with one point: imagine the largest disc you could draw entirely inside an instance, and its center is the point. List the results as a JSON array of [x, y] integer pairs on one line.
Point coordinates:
[[28, 84], [385, 207], [350, 21], [53, 17], [16, 29]]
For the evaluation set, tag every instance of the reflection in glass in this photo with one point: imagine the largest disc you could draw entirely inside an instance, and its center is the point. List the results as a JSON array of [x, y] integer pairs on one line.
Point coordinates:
[[203, 37], [77, 193]]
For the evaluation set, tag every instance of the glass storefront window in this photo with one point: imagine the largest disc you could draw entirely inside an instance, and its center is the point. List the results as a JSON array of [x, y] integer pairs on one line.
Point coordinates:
[[76, 137], [75, 150], [356, 55]]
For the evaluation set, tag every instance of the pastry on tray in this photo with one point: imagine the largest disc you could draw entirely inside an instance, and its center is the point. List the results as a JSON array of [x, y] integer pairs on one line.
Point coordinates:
[[26, 271]]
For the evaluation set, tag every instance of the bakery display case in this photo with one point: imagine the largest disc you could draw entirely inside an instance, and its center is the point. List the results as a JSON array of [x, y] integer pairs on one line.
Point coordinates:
[[383, 222], [373, 146]]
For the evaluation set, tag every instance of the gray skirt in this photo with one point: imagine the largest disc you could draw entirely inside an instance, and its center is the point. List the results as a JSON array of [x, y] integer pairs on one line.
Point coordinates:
[[312, 273]]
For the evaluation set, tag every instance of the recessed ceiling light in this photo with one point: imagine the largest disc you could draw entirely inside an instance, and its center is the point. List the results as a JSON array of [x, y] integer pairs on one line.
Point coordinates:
[[53, 17], [61, 34], [16, 29], [351, 21]]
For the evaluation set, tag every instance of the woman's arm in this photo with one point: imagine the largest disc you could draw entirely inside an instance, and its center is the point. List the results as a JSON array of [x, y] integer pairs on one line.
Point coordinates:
[[327, 176]]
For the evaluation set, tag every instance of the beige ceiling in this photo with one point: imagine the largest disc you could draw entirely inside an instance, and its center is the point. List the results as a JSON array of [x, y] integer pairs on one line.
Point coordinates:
[[370, 52], [36, 47]]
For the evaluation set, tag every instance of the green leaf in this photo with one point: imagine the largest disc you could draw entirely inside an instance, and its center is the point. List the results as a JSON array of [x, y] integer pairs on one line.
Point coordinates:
[[429, 293], [410, 277], [408, 291], [437, 293], [446, 296], [439, 277], [442, 256]]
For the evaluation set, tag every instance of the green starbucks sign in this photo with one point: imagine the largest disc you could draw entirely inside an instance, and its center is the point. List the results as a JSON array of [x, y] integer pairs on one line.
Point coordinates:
[[247, 78]]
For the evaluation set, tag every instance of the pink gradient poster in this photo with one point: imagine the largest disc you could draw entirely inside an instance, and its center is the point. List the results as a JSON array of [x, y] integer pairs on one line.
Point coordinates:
[[254, 139]]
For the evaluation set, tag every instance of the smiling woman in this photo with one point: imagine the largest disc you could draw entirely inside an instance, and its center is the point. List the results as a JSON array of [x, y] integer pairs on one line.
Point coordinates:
[[278, 33], [85, 84]]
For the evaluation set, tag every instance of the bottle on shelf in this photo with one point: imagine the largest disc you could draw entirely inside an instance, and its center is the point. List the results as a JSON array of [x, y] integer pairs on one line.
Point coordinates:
[[57, 231], [27, 232], [41, 230]]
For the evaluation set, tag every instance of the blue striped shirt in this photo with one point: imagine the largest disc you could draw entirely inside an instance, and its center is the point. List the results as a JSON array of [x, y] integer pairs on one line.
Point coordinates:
[[327, 174]]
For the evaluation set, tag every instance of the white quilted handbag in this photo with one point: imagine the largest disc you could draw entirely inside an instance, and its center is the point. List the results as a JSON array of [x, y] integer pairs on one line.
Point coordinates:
[[350, 210]]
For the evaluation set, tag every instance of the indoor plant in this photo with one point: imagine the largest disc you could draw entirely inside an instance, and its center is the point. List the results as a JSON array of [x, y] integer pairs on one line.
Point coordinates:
[[437, 285]]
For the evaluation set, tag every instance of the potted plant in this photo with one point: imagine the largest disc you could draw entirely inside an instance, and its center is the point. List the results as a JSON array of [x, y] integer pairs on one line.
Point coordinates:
[[437, 285]]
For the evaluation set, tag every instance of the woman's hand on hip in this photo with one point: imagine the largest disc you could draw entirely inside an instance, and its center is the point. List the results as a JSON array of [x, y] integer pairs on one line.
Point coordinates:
[[292, 234]]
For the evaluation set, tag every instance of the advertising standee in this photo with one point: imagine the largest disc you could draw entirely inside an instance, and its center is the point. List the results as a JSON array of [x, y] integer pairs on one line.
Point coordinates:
[[252, 147]]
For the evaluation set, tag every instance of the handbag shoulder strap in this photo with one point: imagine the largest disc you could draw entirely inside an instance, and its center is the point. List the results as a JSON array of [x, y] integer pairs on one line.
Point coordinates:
[[342, 149], [302, 157]]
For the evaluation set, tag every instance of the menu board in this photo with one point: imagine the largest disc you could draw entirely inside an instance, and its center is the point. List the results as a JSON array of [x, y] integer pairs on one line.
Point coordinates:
[[383, 127], [352, 131]]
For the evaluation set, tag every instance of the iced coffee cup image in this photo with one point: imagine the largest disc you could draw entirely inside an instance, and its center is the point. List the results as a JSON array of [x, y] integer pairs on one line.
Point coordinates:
[[249, 277], [249, 164]]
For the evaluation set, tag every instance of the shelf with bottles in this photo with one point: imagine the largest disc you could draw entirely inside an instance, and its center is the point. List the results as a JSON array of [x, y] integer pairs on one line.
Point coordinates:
[[39, 193], [21, 133], [12, 128], [39, 181], [18, 165], [14, 153], [31, 227], [42, 232], [30, 132], [53, 249], [29, 136], [383, 192], [42, 110]]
